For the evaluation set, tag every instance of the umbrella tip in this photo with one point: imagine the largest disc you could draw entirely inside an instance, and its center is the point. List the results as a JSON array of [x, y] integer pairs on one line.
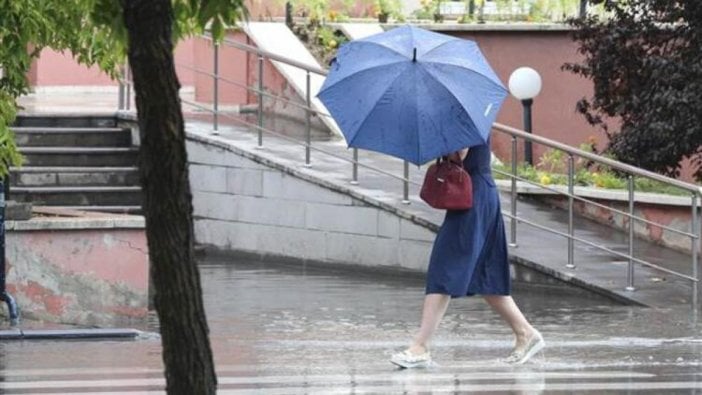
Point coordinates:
[[414, 55]]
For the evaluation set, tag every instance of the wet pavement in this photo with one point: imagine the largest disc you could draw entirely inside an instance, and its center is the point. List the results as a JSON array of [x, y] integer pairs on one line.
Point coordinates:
[[279, 329]]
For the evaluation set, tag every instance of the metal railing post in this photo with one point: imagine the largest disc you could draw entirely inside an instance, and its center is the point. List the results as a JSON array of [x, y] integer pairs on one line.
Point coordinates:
[[354, 169], [696, 228], [571, 209], [308, 121], [122, 90], [513, 208], [630, 269], [405, 185], [215, 93], [260, 102], [128, 98]]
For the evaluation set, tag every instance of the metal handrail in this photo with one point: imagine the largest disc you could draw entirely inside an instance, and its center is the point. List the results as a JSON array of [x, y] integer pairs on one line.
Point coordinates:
[[597, 158], [272, 56], [303, 144], [255, 90]]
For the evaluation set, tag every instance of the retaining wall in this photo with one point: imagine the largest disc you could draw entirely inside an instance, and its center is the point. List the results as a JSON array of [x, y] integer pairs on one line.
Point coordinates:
[[243, 205], [85, 271]]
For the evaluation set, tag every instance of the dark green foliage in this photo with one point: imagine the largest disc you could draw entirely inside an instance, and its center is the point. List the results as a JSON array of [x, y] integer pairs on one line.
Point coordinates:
[[646, 65]]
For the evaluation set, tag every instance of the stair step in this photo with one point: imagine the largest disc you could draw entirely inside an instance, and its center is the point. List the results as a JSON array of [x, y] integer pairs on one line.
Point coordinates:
[[72, 136], [107, 209], [64, 120], [78, 196], [76, 189], [72, 169], [79, 156], [73, 176]]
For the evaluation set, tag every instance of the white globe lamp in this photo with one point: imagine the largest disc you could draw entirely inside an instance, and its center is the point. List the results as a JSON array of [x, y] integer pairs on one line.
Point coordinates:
[[525, 85]]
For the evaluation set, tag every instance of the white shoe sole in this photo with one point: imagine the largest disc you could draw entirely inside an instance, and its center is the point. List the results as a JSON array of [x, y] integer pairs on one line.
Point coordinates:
[[411, 365], [532, 351]]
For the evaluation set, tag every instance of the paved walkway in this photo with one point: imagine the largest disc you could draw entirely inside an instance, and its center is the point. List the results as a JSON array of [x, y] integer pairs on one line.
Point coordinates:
[[546, 252]]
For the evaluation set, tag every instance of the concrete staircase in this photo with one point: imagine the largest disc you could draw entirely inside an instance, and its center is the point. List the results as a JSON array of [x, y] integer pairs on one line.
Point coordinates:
[[76, 162]]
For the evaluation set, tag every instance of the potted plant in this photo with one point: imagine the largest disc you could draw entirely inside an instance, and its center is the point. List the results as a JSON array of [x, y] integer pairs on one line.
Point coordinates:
[[387, 8], [438, 16]]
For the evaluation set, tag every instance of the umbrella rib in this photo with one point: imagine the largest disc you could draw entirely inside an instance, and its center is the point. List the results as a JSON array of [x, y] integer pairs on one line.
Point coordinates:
[[441, 45], [357, 73], [381, 46], [501, 87]]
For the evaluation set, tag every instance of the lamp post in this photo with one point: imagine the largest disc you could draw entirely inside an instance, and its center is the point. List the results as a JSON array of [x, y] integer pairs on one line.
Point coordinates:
[[525, 85]]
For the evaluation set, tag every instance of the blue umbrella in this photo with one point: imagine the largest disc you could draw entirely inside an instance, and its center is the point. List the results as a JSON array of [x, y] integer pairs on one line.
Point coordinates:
[[412, 94]]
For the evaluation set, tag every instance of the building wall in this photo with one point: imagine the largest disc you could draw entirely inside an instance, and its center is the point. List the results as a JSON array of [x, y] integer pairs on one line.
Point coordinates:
[[60, 70]]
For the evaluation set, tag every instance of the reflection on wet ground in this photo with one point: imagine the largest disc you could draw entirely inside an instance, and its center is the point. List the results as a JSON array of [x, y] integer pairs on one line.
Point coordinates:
[[292, 330]]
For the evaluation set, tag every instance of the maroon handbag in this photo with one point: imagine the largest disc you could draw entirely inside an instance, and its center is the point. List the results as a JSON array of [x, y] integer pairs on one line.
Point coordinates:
[[447, 186]]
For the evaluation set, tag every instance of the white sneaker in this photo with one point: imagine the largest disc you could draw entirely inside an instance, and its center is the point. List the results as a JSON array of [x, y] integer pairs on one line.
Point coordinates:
[[533, 346], [407, 360]]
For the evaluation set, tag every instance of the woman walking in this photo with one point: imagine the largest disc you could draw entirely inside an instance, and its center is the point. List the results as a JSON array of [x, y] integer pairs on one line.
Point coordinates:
[[469, 257]]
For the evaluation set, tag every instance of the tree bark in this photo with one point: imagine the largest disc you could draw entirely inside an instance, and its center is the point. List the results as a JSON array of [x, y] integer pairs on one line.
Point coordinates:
[[187, 355]]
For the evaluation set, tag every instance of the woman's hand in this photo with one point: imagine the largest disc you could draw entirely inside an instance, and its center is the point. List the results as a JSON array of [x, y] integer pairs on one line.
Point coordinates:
[[458, 156]]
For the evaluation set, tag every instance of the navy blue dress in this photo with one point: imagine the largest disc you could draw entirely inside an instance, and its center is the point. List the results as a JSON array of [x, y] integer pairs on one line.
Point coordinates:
[[470, 251]]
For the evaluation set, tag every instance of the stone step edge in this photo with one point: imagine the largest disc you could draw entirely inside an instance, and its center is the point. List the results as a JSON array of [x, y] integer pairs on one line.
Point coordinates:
[[76, 150], [74, 189], [106, 208], [66, 130], [76, 169]]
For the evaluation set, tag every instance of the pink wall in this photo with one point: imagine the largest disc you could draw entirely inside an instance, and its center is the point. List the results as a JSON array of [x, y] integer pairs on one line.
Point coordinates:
[[233, 66], [86, 277], [60, 69], [553, 111]]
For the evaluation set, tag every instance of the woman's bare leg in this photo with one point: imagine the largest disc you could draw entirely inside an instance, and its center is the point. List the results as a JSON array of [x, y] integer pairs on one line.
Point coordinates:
[[435, 306], [508, 310]]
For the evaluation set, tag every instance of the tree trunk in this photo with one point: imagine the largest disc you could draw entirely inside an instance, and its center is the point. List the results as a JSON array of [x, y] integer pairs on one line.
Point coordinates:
[[167, 200]]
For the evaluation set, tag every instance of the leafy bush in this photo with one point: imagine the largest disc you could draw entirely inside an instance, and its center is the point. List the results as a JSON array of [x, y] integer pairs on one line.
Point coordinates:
[[645, 63]]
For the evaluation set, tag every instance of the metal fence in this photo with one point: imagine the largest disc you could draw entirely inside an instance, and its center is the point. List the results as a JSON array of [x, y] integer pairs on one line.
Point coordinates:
[[695, 192]]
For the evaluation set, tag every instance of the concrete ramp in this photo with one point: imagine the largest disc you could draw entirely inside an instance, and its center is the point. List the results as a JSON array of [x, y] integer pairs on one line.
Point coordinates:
[[357, 31], [277, 38]]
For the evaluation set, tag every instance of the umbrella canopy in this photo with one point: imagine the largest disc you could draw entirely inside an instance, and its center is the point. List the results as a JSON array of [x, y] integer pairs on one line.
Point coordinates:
[[412, 94]]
